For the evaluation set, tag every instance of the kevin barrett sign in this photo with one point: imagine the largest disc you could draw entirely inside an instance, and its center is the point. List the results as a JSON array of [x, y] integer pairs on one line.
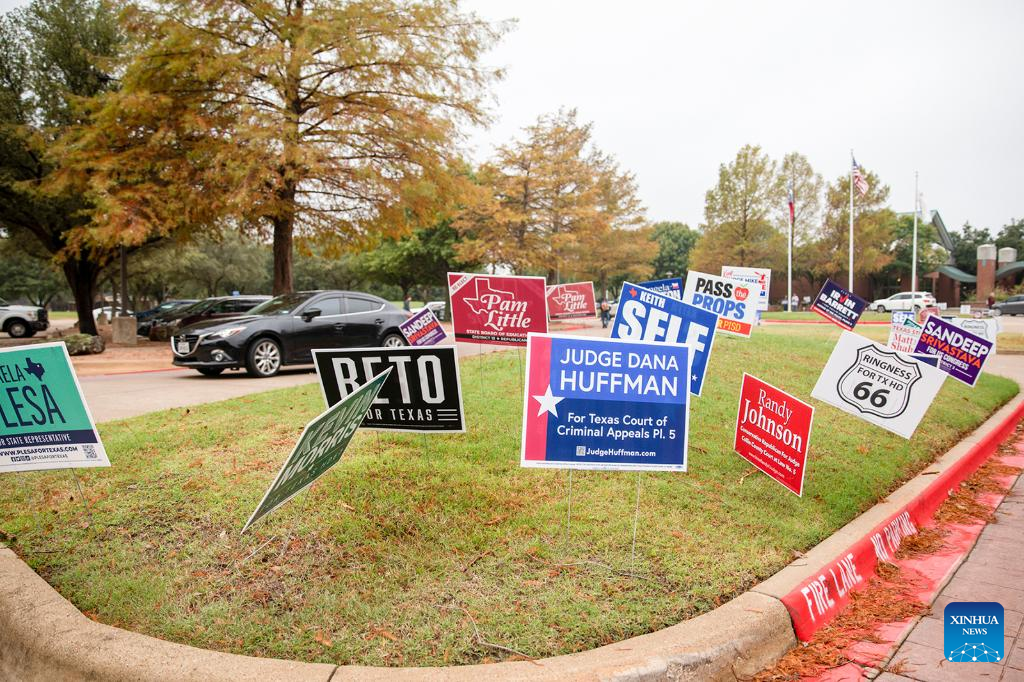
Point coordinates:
[[46, 423], [605, 404]]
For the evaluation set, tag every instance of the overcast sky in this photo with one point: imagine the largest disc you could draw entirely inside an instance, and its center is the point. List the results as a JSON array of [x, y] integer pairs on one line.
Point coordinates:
[[674, 88]]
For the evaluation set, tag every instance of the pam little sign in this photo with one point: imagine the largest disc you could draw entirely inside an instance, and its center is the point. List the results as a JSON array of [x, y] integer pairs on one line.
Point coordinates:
[[567, 301], [497, 309], [773, 431]]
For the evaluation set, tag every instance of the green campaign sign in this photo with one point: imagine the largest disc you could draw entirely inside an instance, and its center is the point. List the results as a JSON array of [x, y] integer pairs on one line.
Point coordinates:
[[319, 448], [45, 421]]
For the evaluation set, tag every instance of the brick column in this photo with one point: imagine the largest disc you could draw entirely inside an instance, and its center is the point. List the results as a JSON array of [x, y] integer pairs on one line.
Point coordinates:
[[986, 271]]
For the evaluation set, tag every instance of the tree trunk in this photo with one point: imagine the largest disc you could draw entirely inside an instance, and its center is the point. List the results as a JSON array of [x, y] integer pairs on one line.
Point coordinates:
[[82, 276], [283, 233]]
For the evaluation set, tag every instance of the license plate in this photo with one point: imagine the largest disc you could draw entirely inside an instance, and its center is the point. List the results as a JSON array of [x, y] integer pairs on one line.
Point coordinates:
[[183, 346]]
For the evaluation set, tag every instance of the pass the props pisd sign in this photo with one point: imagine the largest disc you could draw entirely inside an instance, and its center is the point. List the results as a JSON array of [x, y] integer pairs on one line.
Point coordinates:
[[605, 404], [649, 316], [892, 390], [567, 301], [839, 306], [422, 394], [497, 309], [320, 447], [46, 422], [730, 299], [773, 431]]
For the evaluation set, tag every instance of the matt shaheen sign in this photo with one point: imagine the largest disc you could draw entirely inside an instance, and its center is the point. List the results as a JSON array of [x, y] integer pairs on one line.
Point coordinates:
[[46, 423], [422, 394], [892, 390]]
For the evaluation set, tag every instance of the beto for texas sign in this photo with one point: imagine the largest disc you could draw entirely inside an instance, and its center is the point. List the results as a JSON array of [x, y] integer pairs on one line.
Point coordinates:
[[730, 299], [605, 404], [566, 301], [645, 315], [497, 309]]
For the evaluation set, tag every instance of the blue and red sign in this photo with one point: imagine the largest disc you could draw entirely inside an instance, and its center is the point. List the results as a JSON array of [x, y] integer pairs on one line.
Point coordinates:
[[423, 329], [672, 287], [961, 354], [839, 306], [605, 404], [645, 315]]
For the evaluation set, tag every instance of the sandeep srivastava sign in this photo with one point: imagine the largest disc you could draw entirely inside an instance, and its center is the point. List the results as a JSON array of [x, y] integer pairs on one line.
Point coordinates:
[[46, 423], [423, 392], [605, 404], [320, 447], [649, 316], [961, 354], [892, 390]]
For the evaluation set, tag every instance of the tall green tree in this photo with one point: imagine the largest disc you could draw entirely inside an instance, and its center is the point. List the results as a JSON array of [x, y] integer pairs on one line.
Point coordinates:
[[50, 56], [422, 259], [738, 224], [965, 246], [1012, 235], [24, 272], [675, 241], [929, 254], [291, 118]]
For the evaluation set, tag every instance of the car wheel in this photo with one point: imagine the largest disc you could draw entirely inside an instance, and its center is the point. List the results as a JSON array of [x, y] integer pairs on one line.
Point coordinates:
[[880, 308], [264, 358], [18, 329], [995, 312], [210, 371], [394, 341]]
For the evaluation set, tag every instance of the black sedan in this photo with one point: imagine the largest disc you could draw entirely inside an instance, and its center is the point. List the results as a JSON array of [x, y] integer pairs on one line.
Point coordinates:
[[285, 330]]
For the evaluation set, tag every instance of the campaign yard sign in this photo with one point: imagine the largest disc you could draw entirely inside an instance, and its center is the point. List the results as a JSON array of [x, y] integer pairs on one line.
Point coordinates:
[[46, 423], [889, 389], [733, 301], [773, 432], [422, 394], [987, 328], [319, 448], [649, 316], [495, 309], [903, 336], [901, 316], [605, 404], [760, 279], [671, 287], [567, 301], [839, 306], [423, 329], [961, 354]]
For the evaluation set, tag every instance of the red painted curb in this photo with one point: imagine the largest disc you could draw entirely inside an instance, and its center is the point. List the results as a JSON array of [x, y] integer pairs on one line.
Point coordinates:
[[818, 600], [141, 371], [773, 321]]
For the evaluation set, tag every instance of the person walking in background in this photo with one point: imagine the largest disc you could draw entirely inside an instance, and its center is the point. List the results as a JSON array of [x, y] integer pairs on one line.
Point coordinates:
[[606, 313], [407, 303]]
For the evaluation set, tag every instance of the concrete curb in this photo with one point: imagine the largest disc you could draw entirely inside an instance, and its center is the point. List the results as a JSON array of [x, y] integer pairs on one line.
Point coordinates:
[[44, 637]]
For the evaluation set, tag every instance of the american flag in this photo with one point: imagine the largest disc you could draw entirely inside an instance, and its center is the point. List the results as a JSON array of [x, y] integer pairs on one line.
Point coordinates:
[[859, 181]]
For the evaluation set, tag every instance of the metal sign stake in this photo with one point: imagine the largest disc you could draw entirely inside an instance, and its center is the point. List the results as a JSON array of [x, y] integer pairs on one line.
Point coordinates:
[[81, 496], [636, 518], [568, 511]]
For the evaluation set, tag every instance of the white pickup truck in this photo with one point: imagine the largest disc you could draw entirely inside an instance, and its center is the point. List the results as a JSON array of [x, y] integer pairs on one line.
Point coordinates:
[[22, 321]]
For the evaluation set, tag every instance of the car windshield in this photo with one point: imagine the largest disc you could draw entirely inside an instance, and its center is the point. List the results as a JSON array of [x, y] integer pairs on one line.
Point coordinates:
[[282, 305], [197, 307]]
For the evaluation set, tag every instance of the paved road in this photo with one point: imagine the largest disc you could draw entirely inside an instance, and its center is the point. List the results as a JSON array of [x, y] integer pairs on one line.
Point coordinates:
[[119, 396], [993, 571]]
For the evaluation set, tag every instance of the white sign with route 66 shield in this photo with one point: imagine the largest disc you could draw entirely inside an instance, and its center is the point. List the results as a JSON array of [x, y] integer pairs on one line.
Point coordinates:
[[877, 384]]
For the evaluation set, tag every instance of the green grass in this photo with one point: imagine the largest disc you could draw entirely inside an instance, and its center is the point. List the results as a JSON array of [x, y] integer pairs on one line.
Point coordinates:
[[409, 535], [1010, 342], [63, 315]]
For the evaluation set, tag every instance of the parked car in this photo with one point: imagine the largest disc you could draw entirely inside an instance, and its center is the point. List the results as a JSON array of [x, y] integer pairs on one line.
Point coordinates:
[[1011, 306], [22, 321], [108, 310], [215, 308], [146, 317], [904, 301], [437, 307], [286, 329]]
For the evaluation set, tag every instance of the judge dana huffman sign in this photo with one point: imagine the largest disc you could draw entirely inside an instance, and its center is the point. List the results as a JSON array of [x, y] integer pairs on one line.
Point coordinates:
[[605, 404]]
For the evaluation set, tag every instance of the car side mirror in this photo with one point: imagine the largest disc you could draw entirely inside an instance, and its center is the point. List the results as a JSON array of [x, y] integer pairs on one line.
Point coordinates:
[[310, 314]]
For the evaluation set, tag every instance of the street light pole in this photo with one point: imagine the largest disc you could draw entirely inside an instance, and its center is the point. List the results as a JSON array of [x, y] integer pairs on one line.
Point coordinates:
[[913, 250]]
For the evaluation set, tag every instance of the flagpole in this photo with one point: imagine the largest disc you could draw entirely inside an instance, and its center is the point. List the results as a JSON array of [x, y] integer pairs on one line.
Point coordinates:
[[913, 251], [850, 280], [789, 259]]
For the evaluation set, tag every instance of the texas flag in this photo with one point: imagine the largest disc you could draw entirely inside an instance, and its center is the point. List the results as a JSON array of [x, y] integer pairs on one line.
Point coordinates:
[[605, 404]]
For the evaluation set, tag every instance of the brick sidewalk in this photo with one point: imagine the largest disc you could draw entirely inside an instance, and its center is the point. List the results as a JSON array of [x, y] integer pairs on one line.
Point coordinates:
[[993, 571]]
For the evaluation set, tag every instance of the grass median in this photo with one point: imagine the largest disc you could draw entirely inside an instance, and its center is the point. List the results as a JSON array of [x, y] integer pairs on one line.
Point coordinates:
[[428, 550]]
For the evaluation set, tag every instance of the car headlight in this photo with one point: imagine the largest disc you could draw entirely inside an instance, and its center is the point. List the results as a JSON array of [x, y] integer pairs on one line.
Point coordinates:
[[227, 333], [30, 314]]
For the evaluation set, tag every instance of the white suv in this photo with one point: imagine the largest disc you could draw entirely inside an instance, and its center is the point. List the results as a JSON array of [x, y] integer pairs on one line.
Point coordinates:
[[21, 321], [904, 301]]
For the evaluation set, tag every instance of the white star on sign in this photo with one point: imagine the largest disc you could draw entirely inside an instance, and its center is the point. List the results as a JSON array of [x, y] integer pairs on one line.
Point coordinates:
[[547, 402]]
